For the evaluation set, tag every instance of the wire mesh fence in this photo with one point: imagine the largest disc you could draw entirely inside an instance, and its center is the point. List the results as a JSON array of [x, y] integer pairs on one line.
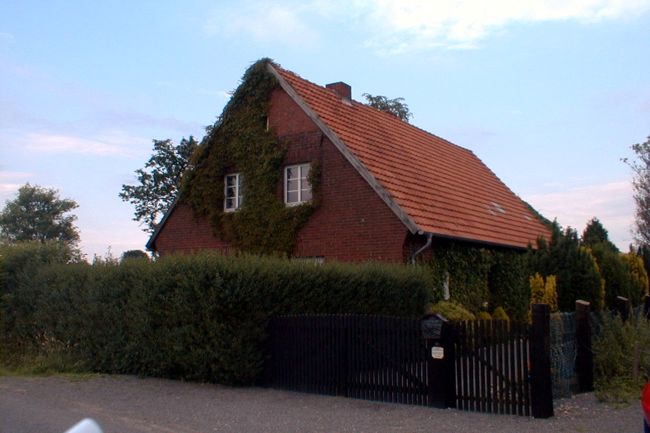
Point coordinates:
[[563, 354]]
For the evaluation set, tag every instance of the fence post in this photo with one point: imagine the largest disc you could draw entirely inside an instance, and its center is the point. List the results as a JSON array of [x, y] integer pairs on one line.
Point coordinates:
[[584, 356], [623, 307], [448, 342], [646, 307], [541, 388]]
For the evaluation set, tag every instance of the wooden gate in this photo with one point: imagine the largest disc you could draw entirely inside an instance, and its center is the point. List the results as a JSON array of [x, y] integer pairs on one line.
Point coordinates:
[[487, 366], [492, 367], [368, 357]]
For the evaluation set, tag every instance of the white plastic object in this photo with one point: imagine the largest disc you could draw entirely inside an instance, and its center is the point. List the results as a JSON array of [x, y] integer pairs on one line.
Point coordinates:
[[85, 426]]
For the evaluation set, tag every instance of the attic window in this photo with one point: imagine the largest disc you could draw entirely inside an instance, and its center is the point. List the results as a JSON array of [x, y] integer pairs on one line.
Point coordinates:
[[496, 208], [233, 198], [297, 189]]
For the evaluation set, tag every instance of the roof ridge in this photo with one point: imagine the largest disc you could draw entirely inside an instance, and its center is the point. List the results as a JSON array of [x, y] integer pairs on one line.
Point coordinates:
[[382, 112]]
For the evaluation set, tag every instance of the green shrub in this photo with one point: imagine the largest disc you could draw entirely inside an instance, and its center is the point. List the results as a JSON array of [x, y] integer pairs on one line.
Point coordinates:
[[19, 265], [500, 314], [508, 283], [543, 291], [451, 310], [576, 271], [638, 277], [621, 357], [483, 315], [199, 317]]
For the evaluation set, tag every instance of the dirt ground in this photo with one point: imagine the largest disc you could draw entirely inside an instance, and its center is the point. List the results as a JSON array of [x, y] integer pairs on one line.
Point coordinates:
[[125, 404]]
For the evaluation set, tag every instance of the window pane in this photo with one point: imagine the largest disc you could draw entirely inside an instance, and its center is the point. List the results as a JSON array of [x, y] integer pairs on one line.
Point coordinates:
[[292, 173], [240, 197], [293, 185], [292, 196], [304, 171], [306, 194], [232, 191]]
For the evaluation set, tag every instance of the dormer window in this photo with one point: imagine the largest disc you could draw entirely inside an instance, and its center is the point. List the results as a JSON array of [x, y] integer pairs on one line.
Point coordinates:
[[297, 189], [233, 198]]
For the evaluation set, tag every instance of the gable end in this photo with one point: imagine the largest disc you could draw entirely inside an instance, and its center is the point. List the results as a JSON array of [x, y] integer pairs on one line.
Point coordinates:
[[349, 156]]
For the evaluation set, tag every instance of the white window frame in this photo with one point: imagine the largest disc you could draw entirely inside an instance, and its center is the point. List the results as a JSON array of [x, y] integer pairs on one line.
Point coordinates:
[[238, 197], [300, 168]]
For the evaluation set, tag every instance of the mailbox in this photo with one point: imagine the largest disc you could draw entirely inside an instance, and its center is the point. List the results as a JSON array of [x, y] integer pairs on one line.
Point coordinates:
[[431, 326], [440, 360]]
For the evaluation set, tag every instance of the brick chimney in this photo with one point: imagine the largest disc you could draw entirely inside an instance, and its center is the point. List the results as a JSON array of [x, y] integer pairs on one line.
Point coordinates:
[[341, 89]]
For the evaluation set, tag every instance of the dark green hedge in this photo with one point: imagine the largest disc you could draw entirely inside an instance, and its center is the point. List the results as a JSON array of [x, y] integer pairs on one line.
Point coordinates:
[[197, 317]]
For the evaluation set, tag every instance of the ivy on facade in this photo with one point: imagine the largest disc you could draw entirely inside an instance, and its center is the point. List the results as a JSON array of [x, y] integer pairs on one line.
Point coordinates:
[[239, 142]]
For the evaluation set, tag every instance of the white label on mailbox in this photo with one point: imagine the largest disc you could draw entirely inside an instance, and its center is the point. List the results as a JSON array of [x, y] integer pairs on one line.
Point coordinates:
[[437, 352]]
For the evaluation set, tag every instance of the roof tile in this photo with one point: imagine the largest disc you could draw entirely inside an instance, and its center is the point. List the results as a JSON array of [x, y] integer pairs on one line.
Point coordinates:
[[444, 188]]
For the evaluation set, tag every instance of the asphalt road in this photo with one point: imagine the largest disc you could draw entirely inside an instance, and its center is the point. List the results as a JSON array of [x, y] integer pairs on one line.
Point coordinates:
[[124, 404]]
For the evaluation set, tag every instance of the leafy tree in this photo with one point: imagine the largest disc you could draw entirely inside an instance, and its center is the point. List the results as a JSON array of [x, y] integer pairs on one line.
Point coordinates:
[[38, 214], [159, 181], [641, 183], [134, 254], [396, 106]]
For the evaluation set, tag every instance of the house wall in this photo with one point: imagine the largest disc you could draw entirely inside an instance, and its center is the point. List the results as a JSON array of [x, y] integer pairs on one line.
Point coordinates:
[[183, 232], [351, 223]]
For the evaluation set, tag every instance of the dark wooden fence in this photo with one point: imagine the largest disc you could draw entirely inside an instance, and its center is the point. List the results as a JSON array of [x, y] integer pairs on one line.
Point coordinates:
[[487, 366], [367, 357]]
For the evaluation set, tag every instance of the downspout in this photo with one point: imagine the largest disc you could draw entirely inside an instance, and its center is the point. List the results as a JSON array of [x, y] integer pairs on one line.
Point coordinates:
[[424, 247]]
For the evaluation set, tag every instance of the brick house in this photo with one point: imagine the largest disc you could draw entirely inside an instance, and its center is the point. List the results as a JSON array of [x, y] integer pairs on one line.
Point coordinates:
[[388, 190]]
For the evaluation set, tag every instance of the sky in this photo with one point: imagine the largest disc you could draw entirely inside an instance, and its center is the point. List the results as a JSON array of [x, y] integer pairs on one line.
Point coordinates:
[[549, 94]]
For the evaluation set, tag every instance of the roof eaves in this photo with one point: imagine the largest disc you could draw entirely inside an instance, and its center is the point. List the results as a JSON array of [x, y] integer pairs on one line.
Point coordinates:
[[347, 154], [487, 243]]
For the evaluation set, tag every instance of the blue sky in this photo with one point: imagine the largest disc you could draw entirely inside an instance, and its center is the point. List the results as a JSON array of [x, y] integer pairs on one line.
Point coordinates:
[[549, 94]]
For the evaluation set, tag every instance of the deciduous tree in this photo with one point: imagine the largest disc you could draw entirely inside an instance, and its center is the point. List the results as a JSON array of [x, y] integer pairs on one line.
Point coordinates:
[[396, 107], [38, 214], [159, 181], [641, 183]]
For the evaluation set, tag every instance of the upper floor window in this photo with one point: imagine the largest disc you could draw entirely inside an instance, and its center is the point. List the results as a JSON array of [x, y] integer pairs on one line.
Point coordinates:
[[296, 184], [233, 198]]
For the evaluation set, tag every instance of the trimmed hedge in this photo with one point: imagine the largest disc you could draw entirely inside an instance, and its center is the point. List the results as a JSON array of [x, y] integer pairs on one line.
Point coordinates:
[[200, 317]]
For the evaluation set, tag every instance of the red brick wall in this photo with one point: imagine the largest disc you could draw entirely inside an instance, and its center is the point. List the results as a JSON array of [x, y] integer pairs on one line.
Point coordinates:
[[183, 232], [351, 224]]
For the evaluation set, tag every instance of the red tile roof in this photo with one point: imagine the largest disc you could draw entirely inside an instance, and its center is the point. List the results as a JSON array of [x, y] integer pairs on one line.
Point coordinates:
[[442, 188]]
